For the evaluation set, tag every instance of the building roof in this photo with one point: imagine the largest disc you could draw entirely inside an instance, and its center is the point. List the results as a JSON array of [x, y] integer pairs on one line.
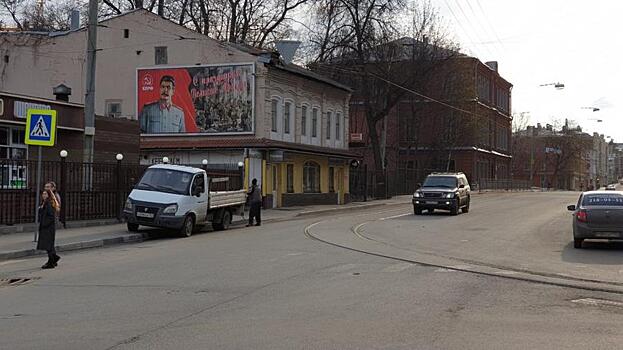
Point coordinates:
[[40, 99], [216, 142]]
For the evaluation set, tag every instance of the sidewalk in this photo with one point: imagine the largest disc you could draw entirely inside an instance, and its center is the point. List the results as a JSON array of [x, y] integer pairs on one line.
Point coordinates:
[[20, 244]]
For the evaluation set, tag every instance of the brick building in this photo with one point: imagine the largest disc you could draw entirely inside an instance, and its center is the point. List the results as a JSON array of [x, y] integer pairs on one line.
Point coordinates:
[[559, 159], [466, 128]]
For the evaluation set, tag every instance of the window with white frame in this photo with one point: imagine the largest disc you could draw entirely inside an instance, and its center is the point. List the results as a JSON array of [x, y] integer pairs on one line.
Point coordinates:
[[113, 108], [314, 125], [286, 117], [338, 126], [273, 112], [303, 120], [329, 122]]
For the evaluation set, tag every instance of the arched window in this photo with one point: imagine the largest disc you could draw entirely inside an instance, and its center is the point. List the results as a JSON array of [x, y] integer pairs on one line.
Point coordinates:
[[311, 177]]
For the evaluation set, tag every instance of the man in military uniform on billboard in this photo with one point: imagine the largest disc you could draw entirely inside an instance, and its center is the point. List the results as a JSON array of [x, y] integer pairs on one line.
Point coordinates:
[[162, 116]]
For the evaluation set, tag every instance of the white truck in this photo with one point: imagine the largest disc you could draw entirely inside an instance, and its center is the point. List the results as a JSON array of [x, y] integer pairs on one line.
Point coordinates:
[[179, 197]]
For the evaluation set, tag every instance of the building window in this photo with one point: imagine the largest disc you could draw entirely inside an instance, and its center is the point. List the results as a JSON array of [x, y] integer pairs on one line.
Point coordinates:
[[338, 126], [290, 178], [304, 120], [329, 122], [315, 122], [113, 108], [126, 33], [12, 147], [484, 88], [502, 100], [311, 177], [331, 179], [286, 117], [161, 55], [273, 112]]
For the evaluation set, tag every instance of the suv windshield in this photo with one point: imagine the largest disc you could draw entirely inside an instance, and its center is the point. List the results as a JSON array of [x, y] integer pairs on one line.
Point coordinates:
[[165, 180], [440, 181]]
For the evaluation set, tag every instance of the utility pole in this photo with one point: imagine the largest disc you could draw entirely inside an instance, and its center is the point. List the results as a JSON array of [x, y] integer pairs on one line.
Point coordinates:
[[89, 101]]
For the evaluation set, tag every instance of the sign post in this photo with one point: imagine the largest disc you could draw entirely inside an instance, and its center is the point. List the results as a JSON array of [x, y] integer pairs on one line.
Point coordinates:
[[40, 131]]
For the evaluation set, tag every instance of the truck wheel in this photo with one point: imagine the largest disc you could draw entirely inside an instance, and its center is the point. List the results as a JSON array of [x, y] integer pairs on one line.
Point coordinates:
[[188, 227], [226, 220], [132, 227]]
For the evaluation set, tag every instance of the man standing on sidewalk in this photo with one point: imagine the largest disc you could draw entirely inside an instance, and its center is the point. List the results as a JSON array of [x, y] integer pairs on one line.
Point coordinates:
[[254, 196]]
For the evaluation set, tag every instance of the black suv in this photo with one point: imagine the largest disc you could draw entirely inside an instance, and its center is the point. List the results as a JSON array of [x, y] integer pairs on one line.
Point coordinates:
[[448, 191]]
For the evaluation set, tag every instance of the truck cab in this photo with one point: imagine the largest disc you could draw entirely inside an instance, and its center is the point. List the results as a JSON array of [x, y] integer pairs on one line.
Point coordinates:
[[178, 197]]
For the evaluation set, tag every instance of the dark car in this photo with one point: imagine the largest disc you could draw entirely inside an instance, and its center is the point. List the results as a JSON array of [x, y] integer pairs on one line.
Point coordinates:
[[597, 215], [447, 191]]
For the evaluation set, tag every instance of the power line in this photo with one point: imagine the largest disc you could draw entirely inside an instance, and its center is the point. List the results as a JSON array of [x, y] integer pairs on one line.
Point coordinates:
[[406, 89], [473, 27], [490, 25], [471, 8], [456, 19]]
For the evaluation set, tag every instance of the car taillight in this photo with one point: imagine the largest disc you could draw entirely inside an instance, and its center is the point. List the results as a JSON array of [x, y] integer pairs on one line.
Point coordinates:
[[581, 216]]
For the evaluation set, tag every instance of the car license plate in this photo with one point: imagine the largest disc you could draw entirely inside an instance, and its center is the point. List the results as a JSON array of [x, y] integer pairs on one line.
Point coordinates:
[[145, 215], [608, 234], [431, 202]]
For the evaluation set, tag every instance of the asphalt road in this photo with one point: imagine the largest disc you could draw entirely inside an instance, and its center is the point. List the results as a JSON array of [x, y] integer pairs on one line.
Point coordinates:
[[275, 287]]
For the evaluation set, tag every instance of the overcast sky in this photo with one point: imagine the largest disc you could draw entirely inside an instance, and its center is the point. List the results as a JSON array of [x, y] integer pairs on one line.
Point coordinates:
[[547, 41]]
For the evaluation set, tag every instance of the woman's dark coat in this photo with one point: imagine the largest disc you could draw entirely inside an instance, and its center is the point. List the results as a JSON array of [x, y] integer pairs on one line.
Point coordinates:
[[47, 227]]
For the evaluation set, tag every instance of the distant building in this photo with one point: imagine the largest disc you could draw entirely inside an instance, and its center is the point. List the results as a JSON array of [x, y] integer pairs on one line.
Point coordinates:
[[558, 159]]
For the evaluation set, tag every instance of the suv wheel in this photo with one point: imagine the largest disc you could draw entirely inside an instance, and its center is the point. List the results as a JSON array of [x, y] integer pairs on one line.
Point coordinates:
[[577, 243], [417, 211], [455, 209], [465, 209]]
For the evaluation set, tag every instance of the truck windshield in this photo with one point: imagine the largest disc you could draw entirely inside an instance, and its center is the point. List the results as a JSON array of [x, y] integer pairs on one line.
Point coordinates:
[[165, 180], [440, 181]]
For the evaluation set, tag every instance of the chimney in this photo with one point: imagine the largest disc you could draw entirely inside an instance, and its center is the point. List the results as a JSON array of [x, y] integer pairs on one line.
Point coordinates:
[[538, 126], [493, 65], [74, 22], [62, 92], [287, 49], [139, 4]]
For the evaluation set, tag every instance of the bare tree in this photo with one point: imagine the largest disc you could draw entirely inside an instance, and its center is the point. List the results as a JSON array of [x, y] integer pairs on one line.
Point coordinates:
[[357, 42]]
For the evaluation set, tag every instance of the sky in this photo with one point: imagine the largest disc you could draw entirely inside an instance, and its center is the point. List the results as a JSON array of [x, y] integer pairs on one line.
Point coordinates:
[[549, 41]]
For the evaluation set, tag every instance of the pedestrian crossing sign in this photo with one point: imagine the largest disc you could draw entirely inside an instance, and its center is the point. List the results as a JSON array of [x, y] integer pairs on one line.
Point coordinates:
[[40, 127]]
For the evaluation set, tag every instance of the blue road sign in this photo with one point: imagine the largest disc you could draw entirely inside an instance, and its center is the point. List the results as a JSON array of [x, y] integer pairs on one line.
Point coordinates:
[[41, 127]]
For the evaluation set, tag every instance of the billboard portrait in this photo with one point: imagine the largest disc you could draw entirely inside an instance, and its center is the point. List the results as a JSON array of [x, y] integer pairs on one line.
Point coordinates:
[[206, 99]]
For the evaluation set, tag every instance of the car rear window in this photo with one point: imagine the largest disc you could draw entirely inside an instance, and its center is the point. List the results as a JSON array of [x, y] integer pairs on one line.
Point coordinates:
[[603, 200]]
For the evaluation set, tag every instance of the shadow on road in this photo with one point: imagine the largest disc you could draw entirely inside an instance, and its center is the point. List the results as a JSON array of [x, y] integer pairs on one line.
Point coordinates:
[[595, 253]]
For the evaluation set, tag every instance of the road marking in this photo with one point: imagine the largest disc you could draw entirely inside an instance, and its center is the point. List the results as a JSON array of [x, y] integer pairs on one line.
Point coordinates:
[[398, 267], [394, 217], [597, 302], [506, 272], [444, 270], [461, 267], [294, 254], [342, 268], [10, 262]]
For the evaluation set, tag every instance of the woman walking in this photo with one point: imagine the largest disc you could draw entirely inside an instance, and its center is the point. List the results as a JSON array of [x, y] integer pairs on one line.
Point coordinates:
[[47, 228]]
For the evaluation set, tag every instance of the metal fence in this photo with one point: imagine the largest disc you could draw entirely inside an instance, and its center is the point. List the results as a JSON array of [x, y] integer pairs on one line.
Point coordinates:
[[88, 190], [366, 184], [501, 184]]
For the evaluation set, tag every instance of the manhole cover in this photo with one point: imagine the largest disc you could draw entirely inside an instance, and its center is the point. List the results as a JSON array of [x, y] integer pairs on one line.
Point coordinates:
[[16, 281]]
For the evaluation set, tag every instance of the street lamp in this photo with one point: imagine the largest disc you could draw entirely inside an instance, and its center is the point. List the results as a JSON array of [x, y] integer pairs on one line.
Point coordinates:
[[63, 155], [558, 86], [165, 160], [205, 165], [241, 170], [119, 157], [594, 109]]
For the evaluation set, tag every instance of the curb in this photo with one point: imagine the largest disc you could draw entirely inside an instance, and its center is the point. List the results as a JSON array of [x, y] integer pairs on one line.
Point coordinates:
[[96, 243], [31, 227]]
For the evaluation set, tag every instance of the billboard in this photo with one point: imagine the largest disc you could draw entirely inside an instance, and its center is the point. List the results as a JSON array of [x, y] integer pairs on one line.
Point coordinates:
[[201, 99]]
